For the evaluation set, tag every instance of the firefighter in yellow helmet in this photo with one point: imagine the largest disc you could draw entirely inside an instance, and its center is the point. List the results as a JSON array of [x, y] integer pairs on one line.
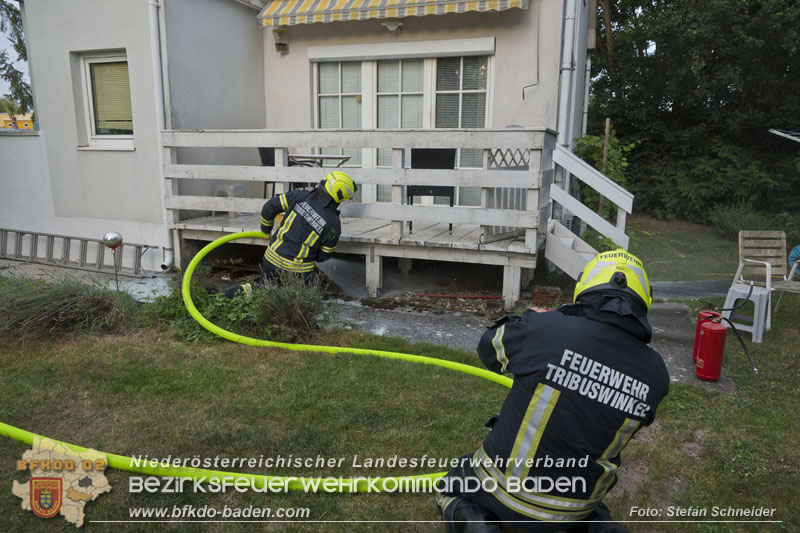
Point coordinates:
[[585, 381], [616, 270], [308, 232]]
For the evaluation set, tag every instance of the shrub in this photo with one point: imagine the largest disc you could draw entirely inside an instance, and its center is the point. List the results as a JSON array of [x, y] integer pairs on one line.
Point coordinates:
[[729, 220], [66, 305], [597, 241], [284, 311], [590, 149]]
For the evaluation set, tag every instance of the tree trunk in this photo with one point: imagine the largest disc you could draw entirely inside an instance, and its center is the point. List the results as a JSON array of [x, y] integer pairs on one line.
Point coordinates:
[[605, 161], [605, 5]]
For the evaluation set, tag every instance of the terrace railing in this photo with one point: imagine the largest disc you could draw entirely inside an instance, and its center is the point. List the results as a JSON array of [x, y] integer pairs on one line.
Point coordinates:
[[595, 179], [516, 181], [522, 213]]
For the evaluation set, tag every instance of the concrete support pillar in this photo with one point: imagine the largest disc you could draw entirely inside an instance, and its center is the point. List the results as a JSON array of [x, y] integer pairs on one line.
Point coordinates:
[[374, 268], [511, 282], [405, 265]]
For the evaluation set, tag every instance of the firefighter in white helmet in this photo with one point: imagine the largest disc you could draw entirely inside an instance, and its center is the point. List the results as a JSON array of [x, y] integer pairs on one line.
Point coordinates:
[[308, 233], [585, 381]]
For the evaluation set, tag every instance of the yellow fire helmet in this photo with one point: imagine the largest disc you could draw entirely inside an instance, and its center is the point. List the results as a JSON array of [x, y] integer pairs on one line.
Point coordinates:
[[617, 270], [340, 186]]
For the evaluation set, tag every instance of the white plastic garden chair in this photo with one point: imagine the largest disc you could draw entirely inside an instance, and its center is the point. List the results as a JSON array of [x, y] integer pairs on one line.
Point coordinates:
[[762, 262]]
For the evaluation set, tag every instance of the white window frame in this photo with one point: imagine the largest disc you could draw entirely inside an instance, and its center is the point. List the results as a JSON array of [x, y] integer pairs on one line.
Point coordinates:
[[101, 142], [429, 51], [339, 95], [399, 94], [461, 91]]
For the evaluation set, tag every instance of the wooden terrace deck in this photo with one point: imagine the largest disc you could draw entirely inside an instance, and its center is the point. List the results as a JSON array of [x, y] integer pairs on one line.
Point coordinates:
[[357, 231], [372, 238]]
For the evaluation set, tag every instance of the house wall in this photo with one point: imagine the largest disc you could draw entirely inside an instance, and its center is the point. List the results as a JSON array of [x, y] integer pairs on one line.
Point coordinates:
[[49, 183], [55, 185], [97, 184], [527, 50], [216, 79], [26, 199], [23, 122]]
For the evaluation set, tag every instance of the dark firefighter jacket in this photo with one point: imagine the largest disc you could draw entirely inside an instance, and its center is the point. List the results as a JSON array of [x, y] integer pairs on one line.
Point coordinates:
[[584, 382], [309, 232]]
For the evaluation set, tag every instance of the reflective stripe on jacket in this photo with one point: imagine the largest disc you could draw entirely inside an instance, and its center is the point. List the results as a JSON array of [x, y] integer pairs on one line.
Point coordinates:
[[308, 233], [582, 388]]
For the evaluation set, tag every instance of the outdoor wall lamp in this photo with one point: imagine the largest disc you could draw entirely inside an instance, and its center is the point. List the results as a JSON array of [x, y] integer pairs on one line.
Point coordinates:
[[393, 25], [281, 44]]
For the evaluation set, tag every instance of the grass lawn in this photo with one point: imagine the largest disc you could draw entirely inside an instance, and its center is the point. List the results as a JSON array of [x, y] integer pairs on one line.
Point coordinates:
[[673, 250], [148, 392], [676, 250], [715, 449]]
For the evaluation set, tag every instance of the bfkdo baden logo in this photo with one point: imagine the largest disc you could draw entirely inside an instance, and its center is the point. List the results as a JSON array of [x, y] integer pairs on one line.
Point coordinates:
[[46, 495], [62, 480]]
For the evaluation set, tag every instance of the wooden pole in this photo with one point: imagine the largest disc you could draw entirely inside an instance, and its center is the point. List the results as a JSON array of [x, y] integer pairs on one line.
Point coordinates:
[[605, 161]]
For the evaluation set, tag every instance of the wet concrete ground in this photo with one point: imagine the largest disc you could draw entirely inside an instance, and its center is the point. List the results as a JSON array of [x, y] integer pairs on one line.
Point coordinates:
[[673, 333], [673, 323], [455, 330], [673, 337], [686, 290], [141, 288]]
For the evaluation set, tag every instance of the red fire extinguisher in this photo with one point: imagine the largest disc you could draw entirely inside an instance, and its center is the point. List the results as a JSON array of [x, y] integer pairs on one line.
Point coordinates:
[[702, 318], [710, 346], [709, 341]]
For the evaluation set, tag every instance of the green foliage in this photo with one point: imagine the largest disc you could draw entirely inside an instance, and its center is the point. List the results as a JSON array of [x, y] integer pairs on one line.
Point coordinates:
[[11, 25], [597, 241], [700, 105], [730, 220], [590, 149], [8, 106], [285, 311], [35, 307]]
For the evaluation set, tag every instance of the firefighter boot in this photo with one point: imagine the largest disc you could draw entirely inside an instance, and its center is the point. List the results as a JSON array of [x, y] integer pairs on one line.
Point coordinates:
[[464, 516]]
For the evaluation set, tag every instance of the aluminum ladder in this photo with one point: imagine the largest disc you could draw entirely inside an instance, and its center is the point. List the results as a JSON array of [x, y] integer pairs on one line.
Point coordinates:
[[72, 252]]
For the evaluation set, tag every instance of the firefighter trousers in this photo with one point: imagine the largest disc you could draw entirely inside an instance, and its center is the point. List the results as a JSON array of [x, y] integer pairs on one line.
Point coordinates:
[[269, 274]]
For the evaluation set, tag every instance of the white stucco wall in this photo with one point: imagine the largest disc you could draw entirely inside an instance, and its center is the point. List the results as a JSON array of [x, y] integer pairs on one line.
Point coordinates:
[[216, 72], [216, 79], [26, 200], [523, 38], [114, 185]]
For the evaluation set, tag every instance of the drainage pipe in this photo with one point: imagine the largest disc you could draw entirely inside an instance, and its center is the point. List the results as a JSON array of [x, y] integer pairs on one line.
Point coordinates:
[[586, 94], [565, 96], [565, 73], [158, 96]]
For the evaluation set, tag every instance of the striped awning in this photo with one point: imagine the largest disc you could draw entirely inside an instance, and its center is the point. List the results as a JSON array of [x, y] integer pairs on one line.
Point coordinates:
[[292, 12]]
